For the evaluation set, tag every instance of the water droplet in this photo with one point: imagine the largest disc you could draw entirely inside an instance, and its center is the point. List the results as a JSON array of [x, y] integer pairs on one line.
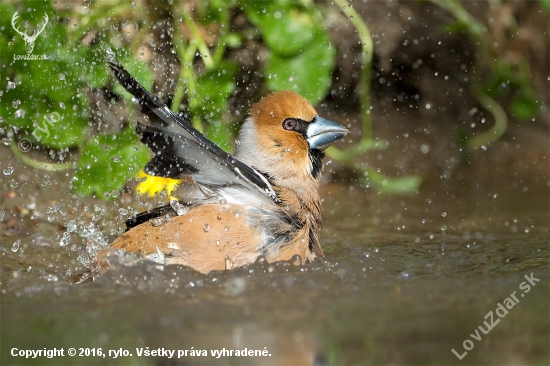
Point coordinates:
[[71, 226], [65, 239], [178, 207], [8, 171], [217, 243], [116, 159], [15, 246], [20, 113], [11, 85], [123, 211], [16, 103], [84, 259], [235, 286], [442, 247], [296, 260], [206, 228], [444, 214]]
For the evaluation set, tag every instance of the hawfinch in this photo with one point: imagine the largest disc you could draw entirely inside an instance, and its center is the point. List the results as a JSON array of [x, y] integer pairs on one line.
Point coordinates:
[[264, 201]]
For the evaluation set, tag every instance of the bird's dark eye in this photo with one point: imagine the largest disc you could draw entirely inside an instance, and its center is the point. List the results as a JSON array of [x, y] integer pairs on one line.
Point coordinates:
[[289, 124]]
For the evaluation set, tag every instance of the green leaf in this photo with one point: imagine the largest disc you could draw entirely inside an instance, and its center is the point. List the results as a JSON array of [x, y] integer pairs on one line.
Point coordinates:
[[94, 69], [107, 162], [524, 106], [55, 79], [212, 101], [61, 129], [285, 29], [308, 73], [32, 98], [220, 133], [214, 89], [453, 27], [213, 12], [232, 40], [501, 77]]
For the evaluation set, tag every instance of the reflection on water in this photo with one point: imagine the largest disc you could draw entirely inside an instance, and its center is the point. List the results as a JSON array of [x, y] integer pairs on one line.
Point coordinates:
[[405, 280]]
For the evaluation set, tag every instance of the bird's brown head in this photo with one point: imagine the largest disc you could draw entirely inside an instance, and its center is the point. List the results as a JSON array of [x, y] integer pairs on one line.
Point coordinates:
[[284, 136]]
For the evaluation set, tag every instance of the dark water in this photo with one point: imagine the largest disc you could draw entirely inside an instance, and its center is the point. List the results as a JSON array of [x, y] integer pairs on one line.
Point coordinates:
[[405, 281]]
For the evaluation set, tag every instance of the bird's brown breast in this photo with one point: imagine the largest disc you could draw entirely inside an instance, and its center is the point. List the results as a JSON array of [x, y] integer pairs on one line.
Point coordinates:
[[207, 237]]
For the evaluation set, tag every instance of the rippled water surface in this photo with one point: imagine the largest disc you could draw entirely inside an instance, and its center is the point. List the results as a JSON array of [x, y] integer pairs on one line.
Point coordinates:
[[405, 281]]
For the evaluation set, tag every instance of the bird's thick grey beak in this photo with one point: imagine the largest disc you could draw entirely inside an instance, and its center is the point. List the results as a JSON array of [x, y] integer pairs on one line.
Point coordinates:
[[321, 133]]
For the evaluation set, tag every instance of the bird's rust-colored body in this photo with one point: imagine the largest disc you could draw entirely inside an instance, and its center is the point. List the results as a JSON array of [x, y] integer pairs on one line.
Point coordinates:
[[208, 237], [264, 201]]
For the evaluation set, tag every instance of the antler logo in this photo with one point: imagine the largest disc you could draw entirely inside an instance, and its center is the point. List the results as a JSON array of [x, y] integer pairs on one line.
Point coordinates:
[[29, 40]]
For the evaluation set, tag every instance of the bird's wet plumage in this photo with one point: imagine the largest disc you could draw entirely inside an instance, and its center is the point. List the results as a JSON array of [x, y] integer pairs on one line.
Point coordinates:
[[264, 201]]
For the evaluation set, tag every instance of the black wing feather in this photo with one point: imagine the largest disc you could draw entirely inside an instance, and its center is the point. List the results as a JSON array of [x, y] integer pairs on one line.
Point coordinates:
[[148, 215], [165, 163], [181, 149]]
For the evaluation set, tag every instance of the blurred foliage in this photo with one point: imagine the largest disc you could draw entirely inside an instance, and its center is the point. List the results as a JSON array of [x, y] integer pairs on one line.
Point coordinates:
[[42, 87], [108, 156], [505, 78], [75, 42], [369, 176], [304, 65], [57, 86]]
